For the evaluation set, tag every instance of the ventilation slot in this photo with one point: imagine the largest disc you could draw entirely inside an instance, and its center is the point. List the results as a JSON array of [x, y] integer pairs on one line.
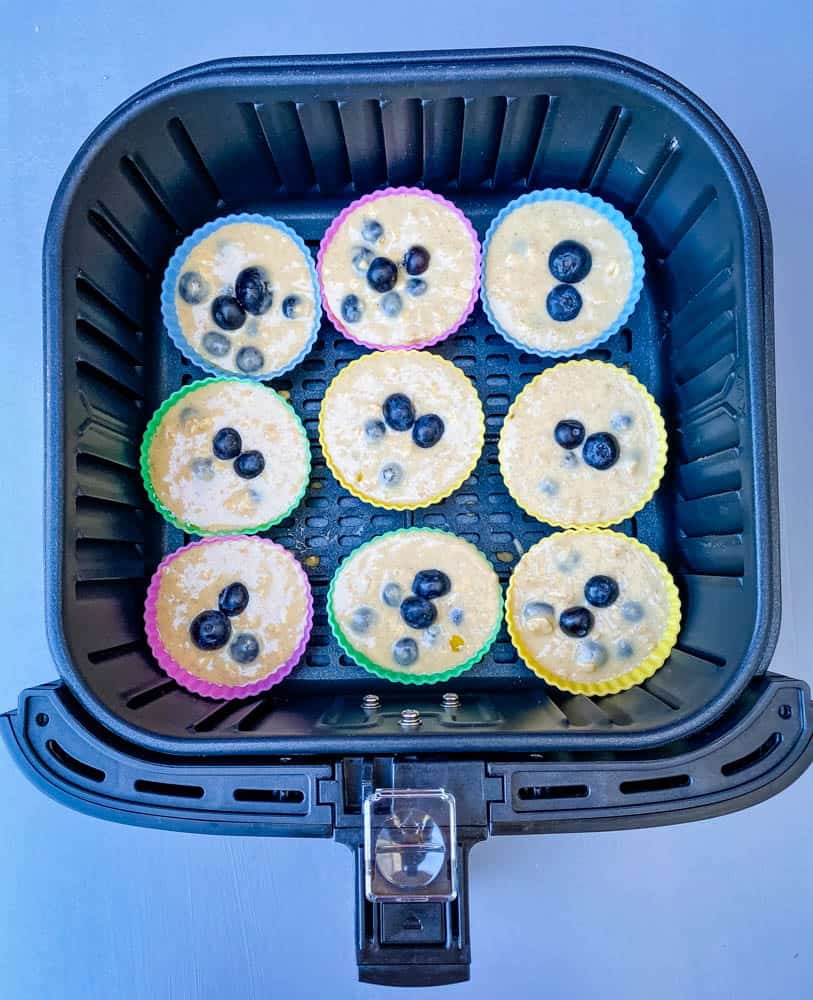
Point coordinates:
[[110, 230], [612, 135], [283, 133], [254, 128], [70, 763], [149, 190], [193, 159], [116, 652], [699, 654], [655, 784], [531, 793], [280, 796], [401, 121], [761, 752], [169, 790], [92, 293], [522, 127], [442, 140], [152, 694], [126, 349], [658, 176], [364, 137], [322, 128]]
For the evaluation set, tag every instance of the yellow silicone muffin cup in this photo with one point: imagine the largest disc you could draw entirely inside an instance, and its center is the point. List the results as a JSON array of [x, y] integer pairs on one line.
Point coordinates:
[[478, 432], [651, 663], [660, 449]]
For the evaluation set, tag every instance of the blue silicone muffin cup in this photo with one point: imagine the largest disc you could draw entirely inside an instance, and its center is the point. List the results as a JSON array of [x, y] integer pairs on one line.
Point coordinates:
[[616, 218], [170, 315]]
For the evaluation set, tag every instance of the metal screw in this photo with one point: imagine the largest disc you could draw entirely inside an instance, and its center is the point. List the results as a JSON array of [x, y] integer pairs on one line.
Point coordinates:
[[410, 718], [371, 703], [450, 700]]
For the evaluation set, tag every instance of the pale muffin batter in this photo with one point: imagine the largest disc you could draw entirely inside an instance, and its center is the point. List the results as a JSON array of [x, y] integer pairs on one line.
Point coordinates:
[[207, 477], [253, 325], [589, 606], [415, 297], [261, 637], [401, 428], [376, 601], [599, 404], [518, 277]]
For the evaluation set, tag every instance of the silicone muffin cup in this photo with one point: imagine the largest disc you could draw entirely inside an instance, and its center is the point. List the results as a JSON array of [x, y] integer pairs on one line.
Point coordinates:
[[397, 676], [603, 208], [366, 200], [170, 313], [630, 678], [191, 681], [479, 431], [660, 451], [187, 526]]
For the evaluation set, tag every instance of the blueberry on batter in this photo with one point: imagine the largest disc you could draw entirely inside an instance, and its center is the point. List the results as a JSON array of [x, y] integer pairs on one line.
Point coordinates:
[[431, 583], [252, 289], [216, 344], [249, 360], [249, 465], [352, 308], [576, 622], [569, 433], [245, 648], [399, 413], [416, 260], [563, 303], [227, 444], [382, 274], [228, 313], [601, 591], [210, 630], [233, 599], [192, 288], [428, 430], [600, 451], [405, 652], [570, 262], [418, 612]]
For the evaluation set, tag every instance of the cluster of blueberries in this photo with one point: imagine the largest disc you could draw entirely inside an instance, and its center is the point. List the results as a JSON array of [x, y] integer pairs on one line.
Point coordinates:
[[569, 262], [577, 622], [227, 445], [599, 451], [382, 275], [211, 630], [417, 611], [252, 296], [399, 415]]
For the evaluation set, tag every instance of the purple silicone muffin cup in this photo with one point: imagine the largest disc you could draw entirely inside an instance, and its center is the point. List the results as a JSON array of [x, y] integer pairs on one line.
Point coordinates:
[[191, 681], [365, 200]]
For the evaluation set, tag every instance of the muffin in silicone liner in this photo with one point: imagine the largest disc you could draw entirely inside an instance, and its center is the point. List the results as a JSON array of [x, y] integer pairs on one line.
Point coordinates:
[[583, 445], [562, 272], [240, 296], [399, 268], [401, 429], [415, 606], [592, 612], [229, 617], [224, 455]]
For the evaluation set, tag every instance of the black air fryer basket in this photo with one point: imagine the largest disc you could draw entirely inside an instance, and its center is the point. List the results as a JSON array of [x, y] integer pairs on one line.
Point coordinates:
[[331, 752]]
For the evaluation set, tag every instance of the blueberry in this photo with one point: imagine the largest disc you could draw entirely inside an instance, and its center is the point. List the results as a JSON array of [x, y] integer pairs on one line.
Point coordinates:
[[431, 635], [416, 260], [216, 344], [382, 274], [564, 303], [416, 287], [233, 599], [428, 430], [391, 304], [361, 619], [417, 612], [252, 290], [431, 583], [621, 421], [601, 591], [576, 622], [568, 560], [569, 433], [372, 231], [249, 360], [570, 460], [245, 648], [227, 444], [456, 616], [405, 652], [570, 262], [624, 649], [188, 413], [391, 474], [600, 451], [249, 465], [399, 412], [228, 313], [210, 630], [352, 308], [548, 487], [537, 609], [291, 306], [632, 611], [361, 259], [591, 654], [391, 594], [193, 288], [202, 468], [375, 429]]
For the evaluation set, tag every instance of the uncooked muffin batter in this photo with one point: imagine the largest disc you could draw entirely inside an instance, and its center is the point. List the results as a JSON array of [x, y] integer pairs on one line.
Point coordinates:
[[399, 270], [233, 610], [532, 299], [401, 428], [229, 455], [417, 601], [582, 444], [589, 606], [245, 299]]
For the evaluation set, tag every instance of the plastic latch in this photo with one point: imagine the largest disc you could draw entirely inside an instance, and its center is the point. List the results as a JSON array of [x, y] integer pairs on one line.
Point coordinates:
[[410, 845]]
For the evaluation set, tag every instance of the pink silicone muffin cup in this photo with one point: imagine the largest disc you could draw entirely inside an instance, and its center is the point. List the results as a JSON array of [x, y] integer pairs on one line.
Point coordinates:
[[365, 200], [191, 681]]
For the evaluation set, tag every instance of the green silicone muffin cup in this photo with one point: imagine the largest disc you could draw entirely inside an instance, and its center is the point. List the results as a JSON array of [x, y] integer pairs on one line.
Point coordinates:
[[144, 462], [397, 676]]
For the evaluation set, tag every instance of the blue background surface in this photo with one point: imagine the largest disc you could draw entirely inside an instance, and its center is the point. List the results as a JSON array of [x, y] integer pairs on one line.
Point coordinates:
[[90, 909]]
